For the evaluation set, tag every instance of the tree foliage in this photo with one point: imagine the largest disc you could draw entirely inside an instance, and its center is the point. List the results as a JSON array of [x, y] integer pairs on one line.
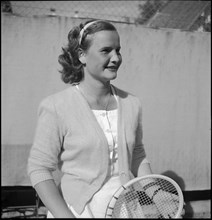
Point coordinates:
[[149, 9], [6, 6]]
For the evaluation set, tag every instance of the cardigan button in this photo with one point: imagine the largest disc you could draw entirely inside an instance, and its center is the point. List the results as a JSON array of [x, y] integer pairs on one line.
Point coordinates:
[[123, 173], [103, 114], [108, 131]]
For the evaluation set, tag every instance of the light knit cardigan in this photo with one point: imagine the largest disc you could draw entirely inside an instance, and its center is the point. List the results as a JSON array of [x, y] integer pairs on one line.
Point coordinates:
[[69, 137]]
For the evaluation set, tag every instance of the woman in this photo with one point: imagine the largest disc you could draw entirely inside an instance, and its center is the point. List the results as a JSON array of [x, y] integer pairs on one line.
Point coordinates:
[[91, 130]]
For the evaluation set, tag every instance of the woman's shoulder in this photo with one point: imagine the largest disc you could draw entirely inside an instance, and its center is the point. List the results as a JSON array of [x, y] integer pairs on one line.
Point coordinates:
[[130, 103], [59, 97], [126, 95]]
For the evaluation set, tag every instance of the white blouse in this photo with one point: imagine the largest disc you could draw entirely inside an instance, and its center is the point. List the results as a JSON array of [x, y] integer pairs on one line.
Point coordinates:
[[108, 122]]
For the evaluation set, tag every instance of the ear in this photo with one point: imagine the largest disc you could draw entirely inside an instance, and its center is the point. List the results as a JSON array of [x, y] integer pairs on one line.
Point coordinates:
[[81, 55]]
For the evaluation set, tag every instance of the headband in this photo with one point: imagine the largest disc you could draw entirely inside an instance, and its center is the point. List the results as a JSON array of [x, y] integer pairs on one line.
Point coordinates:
[[83, 29]]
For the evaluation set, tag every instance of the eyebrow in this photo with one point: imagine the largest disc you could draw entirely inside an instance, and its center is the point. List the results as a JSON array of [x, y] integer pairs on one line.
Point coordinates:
[[108, 47]]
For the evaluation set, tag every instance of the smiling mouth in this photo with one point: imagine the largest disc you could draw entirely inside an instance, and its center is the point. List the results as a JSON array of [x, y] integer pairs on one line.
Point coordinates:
[[113, 68]]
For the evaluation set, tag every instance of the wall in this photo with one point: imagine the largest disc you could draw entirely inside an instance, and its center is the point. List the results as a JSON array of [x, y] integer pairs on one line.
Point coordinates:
[[168, 70]]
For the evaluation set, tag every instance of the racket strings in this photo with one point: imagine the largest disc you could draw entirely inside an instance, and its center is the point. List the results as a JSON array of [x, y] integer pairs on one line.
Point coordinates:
[[135, 202]]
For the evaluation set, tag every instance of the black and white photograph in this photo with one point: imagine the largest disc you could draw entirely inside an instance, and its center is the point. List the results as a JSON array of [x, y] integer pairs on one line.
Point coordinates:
[[106, 109]]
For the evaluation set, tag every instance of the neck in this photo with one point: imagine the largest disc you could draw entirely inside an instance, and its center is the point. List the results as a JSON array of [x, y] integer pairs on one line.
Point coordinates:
[[97, 91], [98, 97]]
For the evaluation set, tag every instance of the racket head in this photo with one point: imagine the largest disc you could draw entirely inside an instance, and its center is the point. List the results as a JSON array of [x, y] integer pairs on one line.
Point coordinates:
[[131, 200]]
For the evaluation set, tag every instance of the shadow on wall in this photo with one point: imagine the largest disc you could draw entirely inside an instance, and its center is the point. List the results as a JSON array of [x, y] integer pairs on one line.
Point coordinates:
[[189, 212]]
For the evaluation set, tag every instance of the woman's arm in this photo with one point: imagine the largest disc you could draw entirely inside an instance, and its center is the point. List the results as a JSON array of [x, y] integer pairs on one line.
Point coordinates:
[[43, 159], [144, 169], [52, 199]]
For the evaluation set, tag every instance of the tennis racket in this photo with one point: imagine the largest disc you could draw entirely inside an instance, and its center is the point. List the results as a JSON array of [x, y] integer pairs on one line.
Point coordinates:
[[150, 196]]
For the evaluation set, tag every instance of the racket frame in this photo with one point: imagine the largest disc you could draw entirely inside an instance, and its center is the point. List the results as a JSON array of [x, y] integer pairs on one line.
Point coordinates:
[[111, 204]]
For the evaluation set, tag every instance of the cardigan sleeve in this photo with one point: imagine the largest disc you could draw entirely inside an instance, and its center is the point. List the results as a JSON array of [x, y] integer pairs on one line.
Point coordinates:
[[139, 155], [43, 158]]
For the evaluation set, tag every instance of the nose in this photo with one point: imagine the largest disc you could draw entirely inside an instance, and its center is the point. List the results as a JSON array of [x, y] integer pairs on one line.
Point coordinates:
[[116, 57]]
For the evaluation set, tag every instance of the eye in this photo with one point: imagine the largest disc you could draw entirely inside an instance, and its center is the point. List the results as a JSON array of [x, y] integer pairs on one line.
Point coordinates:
[[108, 50], [118, 50], [105, 50]]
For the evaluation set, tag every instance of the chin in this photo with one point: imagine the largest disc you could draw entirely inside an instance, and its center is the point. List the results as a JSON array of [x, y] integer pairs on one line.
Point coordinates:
[[110, 75], [113, 77], [113, 74]]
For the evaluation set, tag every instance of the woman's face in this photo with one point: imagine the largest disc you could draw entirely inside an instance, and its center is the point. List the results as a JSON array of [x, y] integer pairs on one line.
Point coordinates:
[[103, 58]]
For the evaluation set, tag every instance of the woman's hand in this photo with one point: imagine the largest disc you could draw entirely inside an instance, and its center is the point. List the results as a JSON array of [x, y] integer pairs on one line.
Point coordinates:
[[167, 204]]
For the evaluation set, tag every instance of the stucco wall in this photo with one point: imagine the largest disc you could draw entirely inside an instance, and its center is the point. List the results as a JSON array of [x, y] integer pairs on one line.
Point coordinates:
[[168, 70]]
